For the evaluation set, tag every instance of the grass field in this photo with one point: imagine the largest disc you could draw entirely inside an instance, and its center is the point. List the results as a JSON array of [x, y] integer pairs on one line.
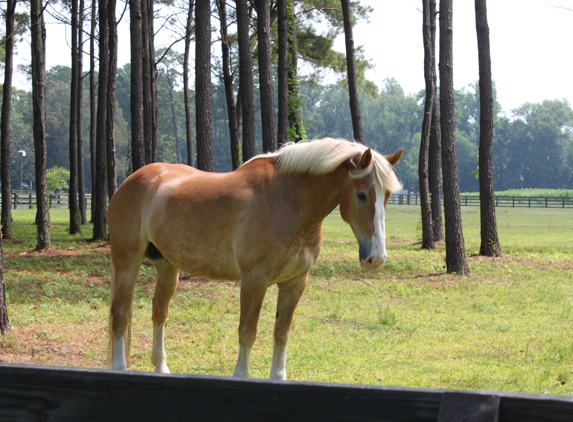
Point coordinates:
[[506, 327]]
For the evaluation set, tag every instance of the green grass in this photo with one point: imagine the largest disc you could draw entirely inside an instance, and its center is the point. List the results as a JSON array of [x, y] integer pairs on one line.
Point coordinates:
[[506, 327]]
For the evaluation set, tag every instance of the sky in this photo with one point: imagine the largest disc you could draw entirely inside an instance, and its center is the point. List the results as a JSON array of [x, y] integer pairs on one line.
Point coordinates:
[[530, 47]]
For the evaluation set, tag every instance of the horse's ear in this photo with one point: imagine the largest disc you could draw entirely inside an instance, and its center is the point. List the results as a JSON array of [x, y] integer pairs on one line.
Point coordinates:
[[366, 158], [395, 158]]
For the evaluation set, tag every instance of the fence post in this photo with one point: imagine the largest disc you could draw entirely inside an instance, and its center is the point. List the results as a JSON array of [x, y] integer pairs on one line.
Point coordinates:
[[30, 201], [563, 200], [546, 202], [15, 200]]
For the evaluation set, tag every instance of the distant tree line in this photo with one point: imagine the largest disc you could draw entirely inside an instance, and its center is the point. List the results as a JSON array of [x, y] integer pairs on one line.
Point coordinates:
[[533, 148]]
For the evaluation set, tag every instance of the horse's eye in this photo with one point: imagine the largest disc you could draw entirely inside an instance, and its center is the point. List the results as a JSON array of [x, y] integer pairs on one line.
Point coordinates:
[[361, 196]]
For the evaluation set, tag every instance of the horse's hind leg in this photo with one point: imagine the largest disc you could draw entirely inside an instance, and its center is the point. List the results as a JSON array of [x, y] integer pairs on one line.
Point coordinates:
[[289, 295], [125, 268], [167, 276]]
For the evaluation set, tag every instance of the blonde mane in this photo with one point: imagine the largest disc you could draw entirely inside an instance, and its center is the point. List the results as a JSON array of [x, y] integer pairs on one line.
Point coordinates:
[[324, 156]]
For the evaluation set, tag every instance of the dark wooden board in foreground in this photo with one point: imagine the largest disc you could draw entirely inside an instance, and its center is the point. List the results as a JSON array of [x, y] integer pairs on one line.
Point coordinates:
[[30, 393]]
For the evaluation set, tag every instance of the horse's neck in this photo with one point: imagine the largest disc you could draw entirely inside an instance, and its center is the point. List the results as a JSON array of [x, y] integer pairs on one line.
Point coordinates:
[[314, 197]]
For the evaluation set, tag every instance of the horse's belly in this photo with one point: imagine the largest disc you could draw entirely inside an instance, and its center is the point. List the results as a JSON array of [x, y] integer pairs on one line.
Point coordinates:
[[212, 266], [212, 270]]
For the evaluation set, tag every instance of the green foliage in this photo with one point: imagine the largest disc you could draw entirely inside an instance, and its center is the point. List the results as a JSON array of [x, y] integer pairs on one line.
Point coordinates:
[[57, 179]]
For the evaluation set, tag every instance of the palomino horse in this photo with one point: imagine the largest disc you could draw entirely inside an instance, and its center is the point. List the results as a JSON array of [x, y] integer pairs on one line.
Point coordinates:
[[261, 224]]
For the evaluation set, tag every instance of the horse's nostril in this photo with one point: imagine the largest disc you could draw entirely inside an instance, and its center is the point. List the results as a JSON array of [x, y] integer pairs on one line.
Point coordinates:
[[370, 260]]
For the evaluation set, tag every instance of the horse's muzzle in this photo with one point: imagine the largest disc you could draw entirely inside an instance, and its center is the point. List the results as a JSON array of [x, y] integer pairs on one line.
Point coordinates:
[[372, 262], [371, 259]]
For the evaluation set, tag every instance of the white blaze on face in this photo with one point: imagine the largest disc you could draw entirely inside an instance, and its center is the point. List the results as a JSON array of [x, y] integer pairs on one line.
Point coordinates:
[[377, 255], [380, 225]]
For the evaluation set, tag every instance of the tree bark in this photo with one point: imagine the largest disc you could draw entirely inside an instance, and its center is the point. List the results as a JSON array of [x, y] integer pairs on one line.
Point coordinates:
[[75, 226], [150, 123], [489, 238], [435, 152], [456, 261], [4, 320], [203, 89], [98, 196], [282, 131], [6, 219], [426, 210], [174, 118], [434, 172], [80, 112], [268, 123], [228, 81], [110, 109], [246, 80], [186, 89], [296, 128], [351, 66], [38, 31], [137, 132], [93, 109]]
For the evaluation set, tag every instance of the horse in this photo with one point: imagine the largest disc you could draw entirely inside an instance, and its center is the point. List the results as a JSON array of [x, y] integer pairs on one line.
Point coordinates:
[[260, 224]]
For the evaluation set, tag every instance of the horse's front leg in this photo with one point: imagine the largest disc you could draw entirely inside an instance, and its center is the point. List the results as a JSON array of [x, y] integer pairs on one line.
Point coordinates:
[[289, 295], [252, 295]]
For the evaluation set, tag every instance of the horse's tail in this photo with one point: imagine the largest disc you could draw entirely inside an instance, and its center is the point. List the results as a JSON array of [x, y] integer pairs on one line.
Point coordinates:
[[111, 336]]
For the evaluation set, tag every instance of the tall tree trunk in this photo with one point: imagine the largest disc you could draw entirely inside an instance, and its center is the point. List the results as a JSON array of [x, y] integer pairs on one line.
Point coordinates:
[[246, 80], [99, 217], [203, 89], [434, 172], [38, 31], [456, 261], [435, 152], [489, 239], [150, 123], [228, 81], [110, 109], [75, 226], [93, 109], [426, 210], [296, 128], [268, 123], [137, 132], [81, 174], [351, 66], [174, 119], [186, 89], [4, 320], [282, 131], [6, 219]]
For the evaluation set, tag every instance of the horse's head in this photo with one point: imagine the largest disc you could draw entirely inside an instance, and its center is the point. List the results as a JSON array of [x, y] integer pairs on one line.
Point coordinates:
[[363, 202]]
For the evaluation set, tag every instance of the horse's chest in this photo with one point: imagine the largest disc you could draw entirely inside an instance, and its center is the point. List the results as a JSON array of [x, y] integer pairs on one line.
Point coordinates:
[[297, 261]]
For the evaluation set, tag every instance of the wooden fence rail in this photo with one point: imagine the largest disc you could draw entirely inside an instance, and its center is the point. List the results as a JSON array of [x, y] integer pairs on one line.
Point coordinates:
[[29, 393], [500, 201], [54, 200], [62, 200]]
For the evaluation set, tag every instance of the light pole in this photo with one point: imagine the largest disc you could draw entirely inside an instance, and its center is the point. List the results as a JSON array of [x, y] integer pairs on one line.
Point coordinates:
[[23, 154]]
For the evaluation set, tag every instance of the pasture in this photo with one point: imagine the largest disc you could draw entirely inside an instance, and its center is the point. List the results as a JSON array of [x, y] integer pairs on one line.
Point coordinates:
[[507, 327]]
